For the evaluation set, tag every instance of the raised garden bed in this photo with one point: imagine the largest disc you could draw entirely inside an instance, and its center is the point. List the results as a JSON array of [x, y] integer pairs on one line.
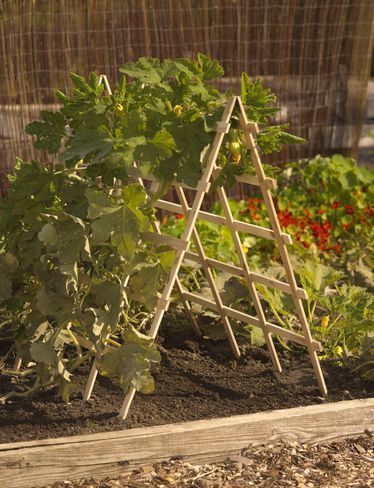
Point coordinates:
[[196, 380]]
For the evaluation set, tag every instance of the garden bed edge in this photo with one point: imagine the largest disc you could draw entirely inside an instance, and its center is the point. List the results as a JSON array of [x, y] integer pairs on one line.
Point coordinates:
[[41, 462]]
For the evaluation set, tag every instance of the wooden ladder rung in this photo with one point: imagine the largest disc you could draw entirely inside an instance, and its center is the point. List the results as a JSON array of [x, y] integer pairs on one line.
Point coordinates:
[[259, 231], [258, 278], [270, 183], [284, 333], [204, 302], [214, 263], [253, 229], [177, 208], [278, 284], [169, 206]]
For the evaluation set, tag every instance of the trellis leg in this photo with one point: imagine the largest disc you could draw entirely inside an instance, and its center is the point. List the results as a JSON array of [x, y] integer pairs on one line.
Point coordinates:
[[252, 288], [90, 382], [17, 364], [103, 79], [251, 144], [163, 302], [209, 276]]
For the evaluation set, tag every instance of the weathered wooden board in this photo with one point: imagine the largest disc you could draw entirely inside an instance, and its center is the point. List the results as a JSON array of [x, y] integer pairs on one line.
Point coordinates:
[[33, 463]]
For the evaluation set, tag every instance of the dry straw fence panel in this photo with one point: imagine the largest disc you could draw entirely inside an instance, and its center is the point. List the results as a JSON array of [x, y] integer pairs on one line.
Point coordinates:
[[314, 53]]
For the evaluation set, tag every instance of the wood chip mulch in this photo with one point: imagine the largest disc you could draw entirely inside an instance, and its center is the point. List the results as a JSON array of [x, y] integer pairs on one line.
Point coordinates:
[[348, 463]]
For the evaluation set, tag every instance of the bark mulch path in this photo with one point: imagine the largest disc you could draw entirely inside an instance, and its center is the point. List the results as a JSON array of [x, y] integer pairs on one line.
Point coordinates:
[[348, 463]]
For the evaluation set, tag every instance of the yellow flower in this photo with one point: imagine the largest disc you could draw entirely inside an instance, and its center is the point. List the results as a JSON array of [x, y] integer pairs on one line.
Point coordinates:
[[325, 321], [235, 149], [338, 351], [178, 110], [245, 249], [119, 108]]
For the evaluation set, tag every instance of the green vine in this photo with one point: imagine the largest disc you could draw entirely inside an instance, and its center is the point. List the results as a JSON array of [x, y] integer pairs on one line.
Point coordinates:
[[75, 261]]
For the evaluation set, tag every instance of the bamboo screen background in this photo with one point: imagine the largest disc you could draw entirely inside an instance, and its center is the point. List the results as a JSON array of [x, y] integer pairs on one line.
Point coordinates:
[[315, 54]]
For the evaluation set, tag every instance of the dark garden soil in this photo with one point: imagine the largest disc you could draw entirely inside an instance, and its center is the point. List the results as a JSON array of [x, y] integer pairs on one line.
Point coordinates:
[[197, 379]]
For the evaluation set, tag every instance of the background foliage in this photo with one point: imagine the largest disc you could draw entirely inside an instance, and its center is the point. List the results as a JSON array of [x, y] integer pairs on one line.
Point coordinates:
[[325, 204]]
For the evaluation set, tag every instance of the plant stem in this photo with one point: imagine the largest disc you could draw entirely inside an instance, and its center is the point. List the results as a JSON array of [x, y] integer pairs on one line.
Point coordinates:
[[277, 316], [311, 310], [283, 344], [108, 340], [74, 339], [23, 394]]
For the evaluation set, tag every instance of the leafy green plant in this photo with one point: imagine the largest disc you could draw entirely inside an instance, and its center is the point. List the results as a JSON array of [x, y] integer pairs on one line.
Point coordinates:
[[327, 204], [79, 274], [341, 316], [67, 247]]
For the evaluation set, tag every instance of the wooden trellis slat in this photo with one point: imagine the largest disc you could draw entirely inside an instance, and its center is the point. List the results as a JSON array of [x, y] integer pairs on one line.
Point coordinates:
[[271, 183], [237, 271], [255, 230], [250, 320], [192, 213]]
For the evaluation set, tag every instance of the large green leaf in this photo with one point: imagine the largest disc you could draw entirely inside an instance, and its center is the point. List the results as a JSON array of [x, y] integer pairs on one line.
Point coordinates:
[[95, 142], [258, 101], [145, 70], [131, 362], [122, 224], [99, 204], [143, 285], [5, 287], [72, 239], [164, 141], [315, 276], [54, 305], [9, 262], [211, 69], [110, 297], [49, 132], [48, 235], [42, 352]]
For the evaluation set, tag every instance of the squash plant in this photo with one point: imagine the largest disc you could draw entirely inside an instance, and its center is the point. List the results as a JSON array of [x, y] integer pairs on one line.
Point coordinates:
[[76, 269]]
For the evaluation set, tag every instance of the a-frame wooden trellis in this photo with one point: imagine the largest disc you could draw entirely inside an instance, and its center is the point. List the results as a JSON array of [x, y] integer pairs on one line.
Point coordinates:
[[181, 246]]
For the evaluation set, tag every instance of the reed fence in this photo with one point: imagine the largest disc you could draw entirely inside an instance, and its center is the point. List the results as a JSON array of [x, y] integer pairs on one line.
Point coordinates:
[[315, 54]]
